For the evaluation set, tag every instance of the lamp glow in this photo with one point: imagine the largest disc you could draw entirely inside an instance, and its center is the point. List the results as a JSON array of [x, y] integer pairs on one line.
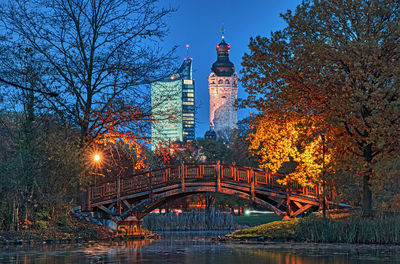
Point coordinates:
[[96, 157]]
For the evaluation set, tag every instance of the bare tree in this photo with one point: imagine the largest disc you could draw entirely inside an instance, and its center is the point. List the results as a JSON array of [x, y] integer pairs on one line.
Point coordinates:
[[97, 54]]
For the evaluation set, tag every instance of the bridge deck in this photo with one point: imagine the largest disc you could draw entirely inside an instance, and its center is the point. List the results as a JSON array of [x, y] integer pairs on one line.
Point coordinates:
[[201, 177]]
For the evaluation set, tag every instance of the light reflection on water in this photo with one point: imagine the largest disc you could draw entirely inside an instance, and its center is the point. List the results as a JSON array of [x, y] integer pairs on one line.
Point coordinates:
[[194, 249]]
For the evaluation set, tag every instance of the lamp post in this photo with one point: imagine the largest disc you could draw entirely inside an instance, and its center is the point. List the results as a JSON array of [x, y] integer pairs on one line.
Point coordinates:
[[96, 161]]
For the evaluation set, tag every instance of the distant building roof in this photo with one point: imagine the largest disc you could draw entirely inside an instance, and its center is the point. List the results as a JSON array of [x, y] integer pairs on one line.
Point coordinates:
[[210, 134]]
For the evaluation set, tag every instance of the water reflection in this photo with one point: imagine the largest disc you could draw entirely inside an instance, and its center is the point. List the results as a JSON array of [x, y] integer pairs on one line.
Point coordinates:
[[195, 249]]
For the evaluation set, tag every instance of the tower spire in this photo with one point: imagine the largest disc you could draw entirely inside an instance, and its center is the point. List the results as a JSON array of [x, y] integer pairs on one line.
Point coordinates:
[[222, 31]]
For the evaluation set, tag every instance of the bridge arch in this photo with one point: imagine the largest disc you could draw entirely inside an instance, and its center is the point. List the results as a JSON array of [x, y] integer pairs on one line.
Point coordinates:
[[147, 205]]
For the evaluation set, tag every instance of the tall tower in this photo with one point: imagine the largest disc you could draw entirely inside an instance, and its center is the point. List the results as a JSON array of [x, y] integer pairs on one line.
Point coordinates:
[[222, 87], [173, 107]]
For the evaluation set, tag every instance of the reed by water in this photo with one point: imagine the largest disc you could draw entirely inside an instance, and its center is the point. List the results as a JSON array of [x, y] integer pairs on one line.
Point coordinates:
[[355, 229], [190, 221], [384, 229]]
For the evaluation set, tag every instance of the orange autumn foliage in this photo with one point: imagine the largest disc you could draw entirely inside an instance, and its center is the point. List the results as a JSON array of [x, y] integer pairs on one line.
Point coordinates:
[[277, 142], [115, 131]]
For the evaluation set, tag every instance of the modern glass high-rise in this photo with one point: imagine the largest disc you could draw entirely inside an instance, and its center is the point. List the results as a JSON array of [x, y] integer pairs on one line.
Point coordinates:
[[173, 107]]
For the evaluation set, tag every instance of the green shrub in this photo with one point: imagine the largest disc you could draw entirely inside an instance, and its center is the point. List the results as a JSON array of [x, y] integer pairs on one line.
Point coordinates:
[[43, 215], [41, 224]]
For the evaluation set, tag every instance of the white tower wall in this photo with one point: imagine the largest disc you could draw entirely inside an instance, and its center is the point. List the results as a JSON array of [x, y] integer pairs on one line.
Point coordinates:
[[223, 95]]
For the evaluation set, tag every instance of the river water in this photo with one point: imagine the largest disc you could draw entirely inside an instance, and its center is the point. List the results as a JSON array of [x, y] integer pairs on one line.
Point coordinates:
[[195, 248]]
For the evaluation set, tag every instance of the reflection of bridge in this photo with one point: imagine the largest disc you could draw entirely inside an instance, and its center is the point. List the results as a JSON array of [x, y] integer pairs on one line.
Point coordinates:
[[139, 194]]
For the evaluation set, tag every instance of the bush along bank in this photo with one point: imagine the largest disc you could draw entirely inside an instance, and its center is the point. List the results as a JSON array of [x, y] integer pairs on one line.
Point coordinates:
[[354, 229]]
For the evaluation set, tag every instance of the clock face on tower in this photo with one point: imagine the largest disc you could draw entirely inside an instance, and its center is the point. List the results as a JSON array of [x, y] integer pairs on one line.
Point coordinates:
[[222, 87]]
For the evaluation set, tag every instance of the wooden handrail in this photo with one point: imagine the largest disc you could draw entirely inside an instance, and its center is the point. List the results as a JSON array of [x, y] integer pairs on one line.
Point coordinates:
[[179, 174]]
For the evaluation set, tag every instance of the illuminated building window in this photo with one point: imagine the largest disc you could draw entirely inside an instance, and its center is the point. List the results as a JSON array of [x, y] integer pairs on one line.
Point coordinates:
[[190, 95], [188, 103]]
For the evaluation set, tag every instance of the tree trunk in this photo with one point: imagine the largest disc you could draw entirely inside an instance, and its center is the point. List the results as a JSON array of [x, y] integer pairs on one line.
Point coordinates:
[[367, 197], [367, 194]]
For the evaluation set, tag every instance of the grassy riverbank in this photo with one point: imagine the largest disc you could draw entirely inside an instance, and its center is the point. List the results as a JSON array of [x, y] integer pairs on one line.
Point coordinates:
[[253, 220], [351, 229]]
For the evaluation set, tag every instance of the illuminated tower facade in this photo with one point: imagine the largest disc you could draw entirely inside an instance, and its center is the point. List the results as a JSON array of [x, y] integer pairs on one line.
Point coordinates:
[[223, 87]]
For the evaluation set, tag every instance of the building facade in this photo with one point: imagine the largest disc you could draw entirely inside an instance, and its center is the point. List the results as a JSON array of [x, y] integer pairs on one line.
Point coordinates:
[[223, 87], [173, 107]]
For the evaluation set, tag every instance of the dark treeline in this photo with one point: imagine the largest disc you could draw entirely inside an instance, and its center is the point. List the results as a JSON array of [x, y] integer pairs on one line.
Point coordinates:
[[97, 57], [39, 163]]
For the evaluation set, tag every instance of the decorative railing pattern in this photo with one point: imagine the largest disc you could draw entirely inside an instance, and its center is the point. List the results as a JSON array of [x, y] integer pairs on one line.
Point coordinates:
[[186, 173]]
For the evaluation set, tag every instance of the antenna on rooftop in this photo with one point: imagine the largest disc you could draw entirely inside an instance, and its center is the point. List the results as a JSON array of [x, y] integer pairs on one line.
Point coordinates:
[[187, 50]]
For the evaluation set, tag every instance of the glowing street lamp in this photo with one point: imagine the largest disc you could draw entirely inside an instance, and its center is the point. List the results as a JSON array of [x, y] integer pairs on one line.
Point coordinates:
[[97, 158]]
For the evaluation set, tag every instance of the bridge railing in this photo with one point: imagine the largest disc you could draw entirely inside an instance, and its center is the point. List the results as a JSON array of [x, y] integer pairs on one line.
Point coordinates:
[[181, 173], [263, 178]]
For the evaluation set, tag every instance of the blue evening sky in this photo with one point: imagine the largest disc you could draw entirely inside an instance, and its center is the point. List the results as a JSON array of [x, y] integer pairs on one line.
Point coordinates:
[[198, 23]]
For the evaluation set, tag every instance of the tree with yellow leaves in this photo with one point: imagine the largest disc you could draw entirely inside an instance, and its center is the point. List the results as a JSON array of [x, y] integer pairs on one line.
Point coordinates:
[[280, 142]]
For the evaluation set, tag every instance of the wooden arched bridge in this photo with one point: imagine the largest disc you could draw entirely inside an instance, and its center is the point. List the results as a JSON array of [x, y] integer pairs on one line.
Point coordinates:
[[139, 194]]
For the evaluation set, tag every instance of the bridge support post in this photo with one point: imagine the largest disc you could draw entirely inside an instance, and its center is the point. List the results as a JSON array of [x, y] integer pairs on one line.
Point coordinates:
[[252, 185], [288, 209], [119, 205], [89, 198], [150, 185], [234, 171], [218, 172], [182, 174]]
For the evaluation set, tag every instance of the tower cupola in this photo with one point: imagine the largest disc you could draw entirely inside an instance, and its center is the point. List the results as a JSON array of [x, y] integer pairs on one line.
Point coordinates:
[[223, 66]]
